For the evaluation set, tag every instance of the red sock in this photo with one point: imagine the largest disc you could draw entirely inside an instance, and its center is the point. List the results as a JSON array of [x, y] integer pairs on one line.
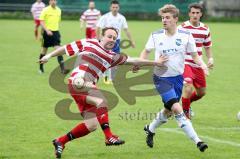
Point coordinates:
[[195, 97], [102, 116], [79, 131], [186, 102]]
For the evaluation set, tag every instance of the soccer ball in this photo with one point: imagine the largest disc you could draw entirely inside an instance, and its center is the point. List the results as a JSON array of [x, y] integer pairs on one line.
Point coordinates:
[[238, 116], [78, 82]]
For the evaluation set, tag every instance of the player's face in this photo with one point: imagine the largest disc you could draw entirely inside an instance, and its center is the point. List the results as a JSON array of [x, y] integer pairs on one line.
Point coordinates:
[[109, 39], [91, 5], [114, 8], [168, 21], [195, 15], [53, 3]]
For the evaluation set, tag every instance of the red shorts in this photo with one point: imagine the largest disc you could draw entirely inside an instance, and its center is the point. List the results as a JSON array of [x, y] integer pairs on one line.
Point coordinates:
[[195, 76], [37, 22], [80, 99], [90, 33]]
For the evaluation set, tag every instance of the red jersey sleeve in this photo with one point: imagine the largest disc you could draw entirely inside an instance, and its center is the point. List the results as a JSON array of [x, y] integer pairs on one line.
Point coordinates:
[[119, 59], [73, 48]]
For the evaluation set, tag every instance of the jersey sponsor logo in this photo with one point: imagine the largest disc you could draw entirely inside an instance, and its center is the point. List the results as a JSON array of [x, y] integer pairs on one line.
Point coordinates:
[[170, 51]]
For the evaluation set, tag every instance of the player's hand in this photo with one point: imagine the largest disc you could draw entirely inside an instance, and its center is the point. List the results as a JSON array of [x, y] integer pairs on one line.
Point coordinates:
[[135, 68], [162, 59], [205, 69], [210, 63], [49, 33], [45, 59]]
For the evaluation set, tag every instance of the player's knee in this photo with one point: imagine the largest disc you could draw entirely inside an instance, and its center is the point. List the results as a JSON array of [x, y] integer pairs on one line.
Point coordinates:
[[91, 124], [188, 87], [168, 105], [101, 103]]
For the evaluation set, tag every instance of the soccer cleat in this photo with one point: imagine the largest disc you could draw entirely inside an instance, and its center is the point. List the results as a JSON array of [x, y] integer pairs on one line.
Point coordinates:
[[150, 135], [114, 141], [202, 146], [58, 148]]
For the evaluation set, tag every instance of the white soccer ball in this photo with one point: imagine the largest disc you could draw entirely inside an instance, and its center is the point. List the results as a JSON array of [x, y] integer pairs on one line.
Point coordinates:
[[78, 82], [238, 116]]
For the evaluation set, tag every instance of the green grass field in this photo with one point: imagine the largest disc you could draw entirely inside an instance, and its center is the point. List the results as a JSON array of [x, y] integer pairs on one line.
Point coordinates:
[[28, 121]]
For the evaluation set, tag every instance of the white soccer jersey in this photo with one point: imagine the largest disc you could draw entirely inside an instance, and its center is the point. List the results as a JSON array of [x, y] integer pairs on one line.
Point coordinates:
[[91, 17], [175, 47], [108, 20], [36, 9], [202, 37]]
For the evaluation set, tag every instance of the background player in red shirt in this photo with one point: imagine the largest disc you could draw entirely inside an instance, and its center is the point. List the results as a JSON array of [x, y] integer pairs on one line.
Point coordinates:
[[93, 59], [194, 76]]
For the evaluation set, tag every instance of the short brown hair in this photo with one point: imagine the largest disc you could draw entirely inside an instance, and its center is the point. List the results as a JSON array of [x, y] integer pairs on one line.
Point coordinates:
[[114, 2], [169, 8], [107, 28], [195, 5]]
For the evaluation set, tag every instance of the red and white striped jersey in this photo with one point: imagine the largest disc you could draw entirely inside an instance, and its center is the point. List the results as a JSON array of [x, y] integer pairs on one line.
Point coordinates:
[[92, 59], [91, 17], [36, 9], [202, 37]]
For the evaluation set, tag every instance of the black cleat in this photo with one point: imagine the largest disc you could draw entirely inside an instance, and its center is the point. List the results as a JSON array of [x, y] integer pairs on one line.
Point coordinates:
[[114, 141], [150, 135], [58, 148], [202, 146]]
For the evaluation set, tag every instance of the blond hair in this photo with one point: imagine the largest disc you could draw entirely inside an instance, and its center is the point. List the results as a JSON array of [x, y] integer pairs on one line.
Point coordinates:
[[169, 8]]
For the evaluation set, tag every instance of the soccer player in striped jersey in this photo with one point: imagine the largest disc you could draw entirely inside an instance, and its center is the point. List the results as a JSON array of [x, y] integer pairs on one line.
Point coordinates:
[[173, 43], [93, 58], [90, 16], [36, 10], [194, 76]]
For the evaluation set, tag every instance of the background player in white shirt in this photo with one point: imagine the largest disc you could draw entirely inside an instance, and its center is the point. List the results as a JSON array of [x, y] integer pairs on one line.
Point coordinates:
[[90, 16], [118, 21], [36, 10], [173, 43], [94, 58], [194, 77]]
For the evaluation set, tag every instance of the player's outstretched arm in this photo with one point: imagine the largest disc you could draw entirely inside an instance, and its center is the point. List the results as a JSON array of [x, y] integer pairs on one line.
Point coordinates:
[[57, 52], [145, 62]]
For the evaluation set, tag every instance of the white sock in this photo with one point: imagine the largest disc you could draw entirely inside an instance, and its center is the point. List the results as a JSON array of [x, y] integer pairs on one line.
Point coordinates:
[[159, 120], [187, 127]]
